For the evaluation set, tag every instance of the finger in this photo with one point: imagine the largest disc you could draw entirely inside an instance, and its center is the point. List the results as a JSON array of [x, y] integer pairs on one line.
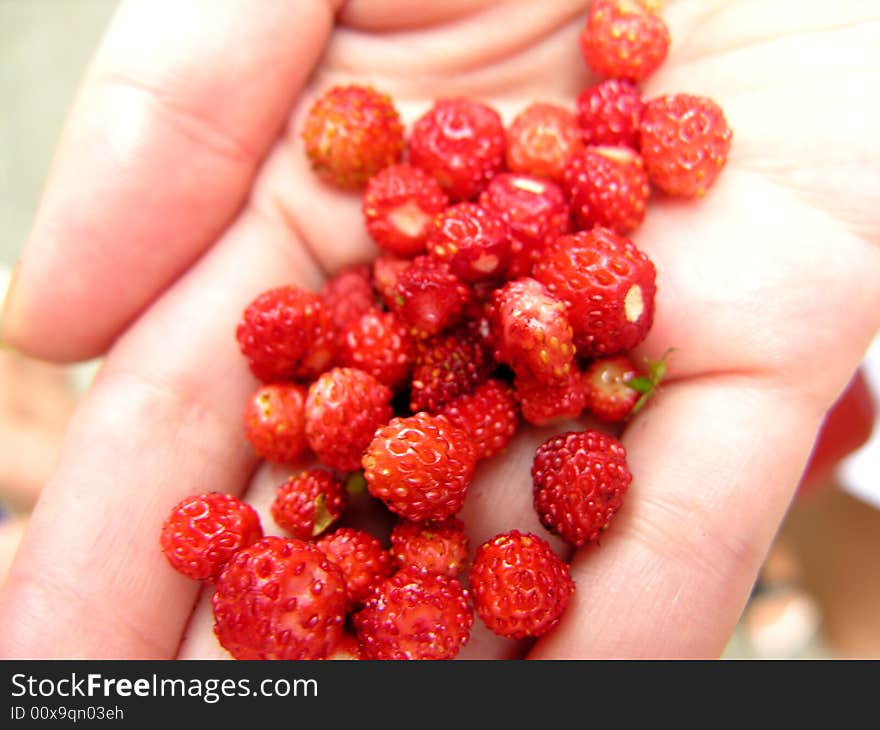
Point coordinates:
[[180, 105], [161, 422], [11, 532]]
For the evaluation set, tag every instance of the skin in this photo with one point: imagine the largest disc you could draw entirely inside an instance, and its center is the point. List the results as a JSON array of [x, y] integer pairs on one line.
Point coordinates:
[[180, 191]]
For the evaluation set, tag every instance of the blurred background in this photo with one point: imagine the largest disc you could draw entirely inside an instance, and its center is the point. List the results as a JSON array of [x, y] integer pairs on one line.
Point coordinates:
[[819, 593]]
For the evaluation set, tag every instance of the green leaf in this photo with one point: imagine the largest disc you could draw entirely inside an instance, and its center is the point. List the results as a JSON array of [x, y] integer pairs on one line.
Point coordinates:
[[356, 484], [641, 384], [323, 518]]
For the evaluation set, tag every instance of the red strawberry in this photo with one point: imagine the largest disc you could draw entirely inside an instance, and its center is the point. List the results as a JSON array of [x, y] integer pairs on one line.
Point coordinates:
[[439, 547], [420, 467], [580, 480], [429, 297], [608, 285], [399, 206], [609, 113], [536, 213], [347, 649], [607, 186], [308, 503], [488, 416], [625, 39], [344, 407], [472, 240], [286, 333], [279, 599], [447, 366], [361, 558], [352, 132], [540, 140], [415, 615], [379, 344], [608, 396], [348, 295], [275, 422], [520, 588], [461, 143], [685, 142], [386, 269], [531, 330], [542, 403], [203, 532]]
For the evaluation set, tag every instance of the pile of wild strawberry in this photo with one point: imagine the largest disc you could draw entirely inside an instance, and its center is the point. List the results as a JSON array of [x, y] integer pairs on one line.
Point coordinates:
[[506, 288]]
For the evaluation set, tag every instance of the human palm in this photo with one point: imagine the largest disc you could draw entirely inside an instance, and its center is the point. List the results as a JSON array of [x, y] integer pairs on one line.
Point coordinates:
[[180, 191]]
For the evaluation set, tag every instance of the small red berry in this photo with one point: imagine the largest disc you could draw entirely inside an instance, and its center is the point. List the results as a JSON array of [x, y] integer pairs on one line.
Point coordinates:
[[420, 467], [439, 547], [379, 344], [361, 558], [580, 480], [489, 416], [415, 615], [202, 533], [285, 333], [541, 139], [608, 396], [607, 186], [429, 298], [625, 39], [608, 285], [352, 132], [344, 407], [386, 269], [472, 240], [447, 366], [461, 144], [275, 422], [609, 113], [531, 331], [520, 588], [348, 295], [536, 213], [399, 206], [348, 649], [308, 503], [279, 599], [543, 403], [685, 143]]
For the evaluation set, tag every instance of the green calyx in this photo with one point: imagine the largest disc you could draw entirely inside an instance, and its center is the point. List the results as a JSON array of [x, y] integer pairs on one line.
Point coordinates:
[[646, 385]]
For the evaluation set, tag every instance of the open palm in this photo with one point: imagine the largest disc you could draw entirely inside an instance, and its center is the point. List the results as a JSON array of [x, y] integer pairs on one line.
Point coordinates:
[[180, 191]]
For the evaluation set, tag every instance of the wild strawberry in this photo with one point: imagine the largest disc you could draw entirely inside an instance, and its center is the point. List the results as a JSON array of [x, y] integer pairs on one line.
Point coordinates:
[[447, 366], [429, 297], [348, 649], [203, 532], [308, 503], [352, 132], [386, 269], [279, 599], [399, 206], [519, 587], [531, 330], [608, 285], [420, 467], [361, 558], [625, 39], [543, 403], [540, 140], [285, 333], [472, 240], [348, 295], [608, 396], [344, 407], [461, 144], [609, 113], [488, 416], [607, 186], [415, 615], [685, 142], [477, 322], [275, 422], [536, 213], [580, 480], [439, 547], [379, 344]]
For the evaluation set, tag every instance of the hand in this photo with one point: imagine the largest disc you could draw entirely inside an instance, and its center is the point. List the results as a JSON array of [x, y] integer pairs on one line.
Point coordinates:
[[180, 191]]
